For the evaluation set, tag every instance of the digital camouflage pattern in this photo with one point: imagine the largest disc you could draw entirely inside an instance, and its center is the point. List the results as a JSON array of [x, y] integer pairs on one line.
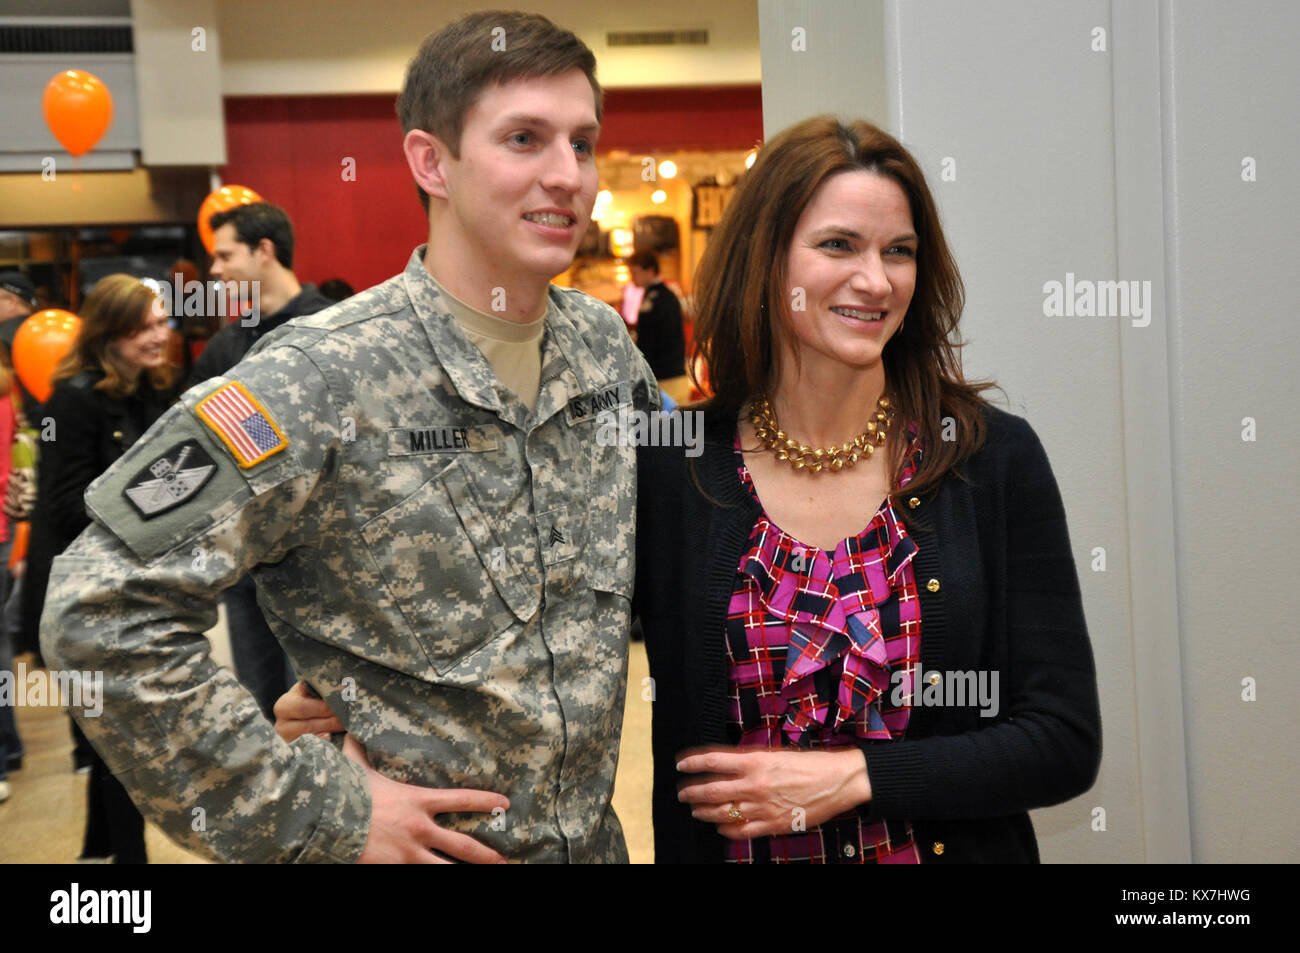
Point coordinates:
[[450, 572]]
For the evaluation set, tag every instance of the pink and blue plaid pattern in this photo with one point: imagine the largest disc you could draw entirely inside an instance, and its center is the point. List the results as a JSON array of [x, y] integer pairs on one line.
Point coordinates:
[[816, 643]]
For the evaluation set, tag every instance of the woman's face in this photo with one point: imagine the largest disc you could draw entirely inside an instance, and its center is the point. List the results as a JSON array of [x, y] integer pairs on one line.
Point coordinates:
[[147, 347], [851, 270]]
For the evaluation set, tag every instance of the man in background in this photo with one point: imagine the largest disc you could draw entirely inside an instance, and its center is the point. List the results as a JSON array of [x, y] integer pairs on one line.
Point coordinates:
[[659, 332], [254, 243]]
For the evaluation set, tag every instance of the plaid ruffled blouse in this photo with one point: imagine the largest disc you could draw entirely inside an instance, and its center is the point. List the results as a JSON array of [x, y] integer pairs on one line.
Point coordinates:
[[820, 646]]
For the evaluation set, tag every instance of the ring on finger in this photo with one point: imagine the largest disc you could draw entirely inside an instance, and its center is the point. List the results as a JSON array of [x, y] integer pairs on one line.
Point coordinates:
[[734, 812]]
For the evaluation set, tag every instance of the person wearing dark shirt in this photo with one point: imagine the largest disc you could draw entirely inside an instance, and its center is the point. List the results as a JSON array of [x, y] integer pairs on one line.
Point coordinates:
[[254, 243], [107, 392], [861, 608], [336, 289], [659, 332]]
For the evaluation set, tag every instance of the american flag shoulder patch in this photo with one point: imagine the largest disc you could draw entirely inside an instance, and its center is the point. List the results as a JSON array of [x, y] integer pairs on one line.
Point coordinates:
[[244, 425]]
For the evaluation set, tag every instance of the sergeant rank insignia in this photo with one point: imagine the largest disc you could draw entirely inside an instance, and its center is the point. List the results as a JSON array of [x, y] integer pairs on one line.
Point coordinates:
[[171, 479], [243, 424]]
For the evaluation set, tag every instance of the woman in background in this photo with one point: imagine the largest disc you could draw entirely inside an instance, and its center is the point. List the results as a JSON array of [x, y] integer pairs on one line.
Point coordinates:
[[110, 388]]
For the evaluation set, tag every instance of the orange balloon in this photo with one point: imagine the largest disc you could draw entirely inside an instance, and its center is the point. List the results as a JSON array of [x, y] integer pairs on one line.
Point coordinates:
[[78, 109], [18, 552], [223, 199], [43, 340]]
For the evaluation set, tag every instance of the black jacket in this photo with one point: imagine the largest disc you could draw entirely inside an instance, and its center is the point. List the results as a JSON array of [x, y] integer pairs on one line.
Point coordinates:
[[1008, 600], [659, 332], [90, 431], [229, 345]]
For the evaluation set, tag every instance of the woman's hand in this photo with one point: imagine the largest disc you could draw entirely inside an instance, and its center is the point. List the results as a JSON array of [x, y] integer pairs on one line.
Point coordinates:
[[298, 713], [775, 792]]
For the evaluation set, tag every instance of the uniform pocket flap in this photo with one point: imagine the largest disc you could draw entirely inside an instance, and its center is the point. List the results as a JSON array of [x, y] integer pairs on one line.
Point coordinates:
[[511, 581]]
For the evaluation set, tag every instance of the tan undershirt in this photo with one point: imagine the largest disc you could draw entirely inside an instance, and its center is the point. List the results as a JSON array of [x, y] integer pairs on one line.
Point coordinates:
[[513, 350]]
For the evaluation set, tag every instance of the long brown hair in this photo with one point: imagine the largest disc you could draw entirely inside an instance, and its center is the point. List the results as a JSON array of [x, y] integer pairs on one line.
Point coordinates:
[[742, 304], [114, 309]]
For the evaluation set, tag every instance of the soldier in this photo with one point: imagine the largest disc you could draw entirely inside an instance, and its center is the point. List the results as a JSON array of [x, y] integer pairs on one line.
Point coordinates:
[[412, 479]]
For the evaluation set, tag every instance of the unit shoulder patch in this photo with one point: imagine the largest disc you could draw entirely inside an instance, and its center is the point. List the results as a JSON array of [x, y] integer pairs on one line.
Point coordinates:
[[171, 479]]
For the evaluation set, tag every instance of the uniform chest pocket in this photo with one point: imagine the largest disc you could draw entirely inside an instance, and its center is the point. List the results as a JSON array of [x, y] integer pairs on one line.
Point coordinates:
[[447, 570]]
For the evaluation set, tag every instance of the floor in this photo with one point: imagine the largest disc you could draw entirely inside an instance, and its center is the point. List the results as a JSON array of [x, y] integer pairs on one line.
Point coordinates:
[[43, 820]]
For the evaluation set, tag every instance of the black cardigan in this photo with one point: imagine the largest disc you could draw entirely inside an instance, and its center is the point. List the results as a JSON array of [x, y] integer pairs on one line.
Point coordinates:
[[91, 430], [1008, 600]]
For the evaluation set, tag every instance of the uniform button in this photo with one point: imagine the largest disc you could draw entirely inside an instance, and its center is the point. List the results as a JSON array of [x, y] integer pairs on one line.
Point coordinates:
[[117, 435], [937, 847], [933, 585], [935, 678], [914, 502], [850, 851]]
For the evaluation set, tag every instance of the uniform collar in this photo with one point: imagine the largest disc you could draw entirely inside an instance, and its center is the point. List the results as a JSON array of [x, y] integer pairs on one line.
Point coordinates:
[[569, 368]]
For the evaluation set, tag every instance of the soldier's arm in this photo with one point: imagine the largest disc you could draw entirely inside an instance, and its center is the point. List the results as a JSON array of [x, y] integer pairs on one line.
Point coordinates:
[[179, 518]]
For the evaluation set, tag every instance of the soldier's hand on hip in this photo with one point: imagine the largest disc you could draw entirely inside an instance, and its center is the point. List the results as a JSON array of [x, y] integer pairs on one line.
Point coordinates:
[[299, 712], [403, 831]]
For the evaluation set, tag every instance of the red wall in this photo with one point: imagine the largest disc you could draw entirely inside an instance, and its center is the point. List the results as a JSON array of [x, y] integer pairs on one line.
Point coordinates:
[[290, 150]]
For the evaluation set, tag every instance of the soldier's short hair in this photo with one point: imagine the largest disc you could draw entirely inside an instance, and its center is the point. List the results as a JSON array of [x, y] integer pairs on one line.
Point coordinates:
[[454, 65], [256, 221]]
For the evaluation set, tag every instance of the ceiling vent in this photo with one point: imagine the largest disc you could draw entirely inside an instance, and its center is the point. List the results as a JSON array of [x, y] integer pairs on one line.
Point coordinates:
[[72, 38], [658, 38]]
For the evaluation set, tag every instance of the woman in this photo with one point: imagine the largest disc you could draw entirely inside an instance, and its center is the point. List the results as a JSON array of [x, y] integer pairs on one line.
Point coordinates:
[[860, 601], [860, 607], [110, 388]]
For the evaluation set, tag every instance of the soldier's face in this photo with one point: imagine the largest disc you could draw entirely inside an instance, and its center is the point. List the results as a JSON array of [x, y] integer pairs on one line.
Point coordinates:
[[525, 183]]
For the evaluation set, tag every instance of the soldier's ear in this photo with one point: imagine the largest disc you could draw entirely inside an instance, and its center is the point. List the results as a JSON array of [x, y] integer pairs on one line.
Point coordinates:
[[427, 156]]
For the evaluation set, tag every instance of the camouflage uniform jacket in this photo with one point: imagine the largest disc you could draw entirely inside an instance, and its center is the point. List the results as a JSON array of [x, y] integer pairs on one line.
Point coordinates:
[[451, 572]]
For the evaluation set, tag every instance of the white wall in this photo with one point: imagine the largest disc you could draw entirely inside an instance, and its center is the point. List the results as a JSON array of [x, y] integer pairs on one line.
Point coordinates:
[[1013, 94], [1231, 246], [1124, 163], [341, 46], [827, 55], [178, 76]]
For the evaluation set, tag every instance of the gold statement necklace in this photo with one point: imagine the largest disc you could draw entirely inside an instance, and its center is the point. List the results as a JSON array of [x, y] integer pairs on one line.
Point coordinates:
[[833, 458]]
